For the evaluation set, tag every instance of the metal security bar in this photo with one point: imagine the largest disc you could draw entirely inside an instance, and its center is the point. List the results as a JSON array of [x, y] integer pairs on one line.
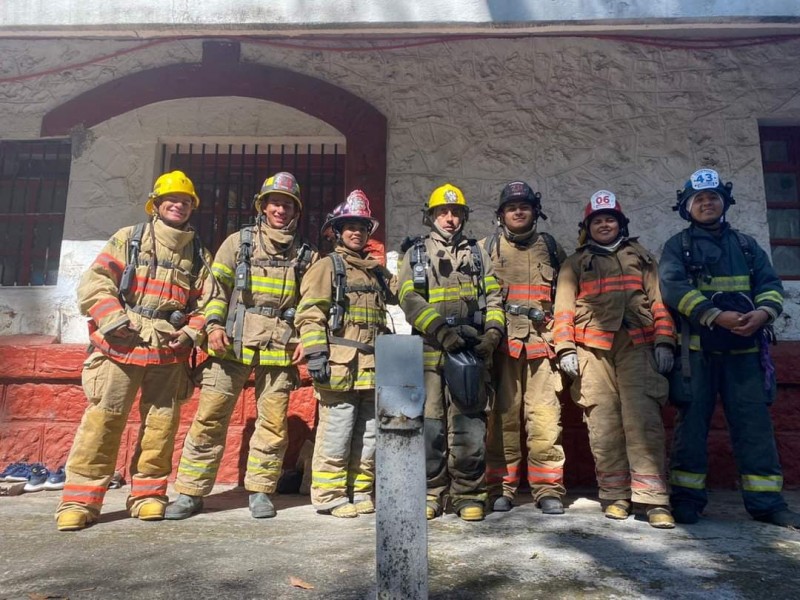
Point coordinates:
[[34, 176], [227, 176]]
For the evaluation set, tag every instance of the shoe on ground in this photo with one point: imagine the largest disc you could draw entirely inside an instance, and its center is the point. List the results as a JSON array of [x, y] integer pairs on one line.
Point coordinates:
[[56, 480], [551, 505], [17, 472], [660, 517], [782, 518], [116, 481], [345, 511], [502, 504], [433, 508], [619, 510], [151, 510], [72, 520], [261, 506], [471, 512], [685, 514], [365, 507], [37, 478], [184, 507]]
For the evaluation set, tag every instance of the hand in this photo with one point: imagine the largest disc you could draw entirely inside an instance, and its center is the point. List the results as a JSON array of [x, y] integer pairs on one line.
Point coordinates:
[[488, 343], [751, 322], [568, 363], [728, 319], [180, 340], [298, 355], [665, 358], [449, 339], [125, 332], [318, 367], [218, 341]]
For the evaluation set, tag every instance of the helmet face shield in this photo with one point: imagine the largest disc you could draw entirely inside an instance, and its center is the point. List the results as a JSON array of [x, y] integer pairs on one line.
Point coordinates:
[[354, 208]]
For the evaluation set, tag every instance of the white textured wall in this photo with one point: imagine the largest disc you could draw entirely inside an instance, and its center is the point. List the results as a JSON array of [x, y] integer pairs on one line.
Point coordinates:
[[569, 115]]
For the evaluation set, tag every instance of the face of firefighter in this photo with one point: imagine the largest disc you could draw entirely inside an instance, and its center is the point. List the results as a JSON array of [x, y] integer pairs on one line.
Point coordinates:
[[518, 216], [448, 218], [706, 207], [604, 228], [175, 209], [355, 234], [280, 210]]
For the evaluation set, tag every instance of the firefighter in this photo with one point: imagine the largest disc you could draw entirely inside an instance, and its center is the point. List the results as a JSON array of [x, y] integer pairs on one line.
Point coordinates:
[[725, 293], [450, 296], [250, 330], [615, 338], [342, 311], [526, 265], [142, 296]]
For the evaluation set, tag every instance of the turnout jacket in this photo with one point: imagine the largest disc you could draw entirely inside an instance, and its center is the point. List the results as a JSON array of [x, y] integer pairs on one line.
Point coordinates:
[[452, 292], [273, 287], [163, 283], [364, 317], [600, 291], [721, 267], [526, 280]]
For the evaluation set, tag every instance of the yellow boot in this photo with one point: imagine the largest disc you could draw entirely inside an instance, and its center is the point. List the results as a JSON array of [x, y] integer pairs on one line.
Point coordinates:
[[619, 510], [151, 510], [72, 520], [365, 507], [471, 512], [345, 511], [432, 507]]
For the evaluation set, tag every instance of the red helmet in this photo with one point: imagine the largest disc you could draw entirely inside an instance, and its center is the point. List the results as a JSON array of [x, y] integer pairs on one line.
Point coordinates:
[[355, 207], [602, 201]]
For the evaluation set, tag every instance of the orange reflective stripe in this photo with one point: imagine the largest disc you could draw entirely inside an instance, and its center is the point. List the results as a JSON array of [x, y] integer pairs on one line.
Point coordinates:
[[537, 350], [164, 291], [614, 479], [511, 347], [645, 335], [148, 487], [595, 338], [543, 475], [104, 307], [108, 263], [640, 481], [83, 494], [504, 474], [528, 292], [605, 285], [564, 328]]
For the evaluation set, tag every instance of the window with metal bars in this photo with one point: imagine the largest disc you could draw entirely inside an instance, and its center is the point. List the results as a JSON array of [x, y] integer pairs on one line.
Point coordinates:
[[780, 154], [227, 177], [34, 176]]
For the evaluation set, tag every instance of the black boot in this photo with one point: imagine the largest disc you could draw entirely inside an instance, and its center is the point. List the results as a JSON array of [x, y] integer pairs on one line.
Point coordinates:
[[782, 518], [184, 507], [551, 505]]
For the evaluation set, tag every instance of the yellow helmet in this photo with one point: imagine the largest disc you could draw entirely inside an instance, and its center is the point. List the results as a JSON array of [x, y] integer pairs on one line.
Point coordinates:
[[174, 182], [280, 183], [447, 194]]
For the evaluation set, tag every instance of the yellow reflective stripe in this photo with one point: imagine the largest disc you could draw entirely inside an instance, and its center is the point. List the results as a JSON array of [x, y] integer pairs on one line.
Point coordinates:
[[771, 296], [272, 285], [407, 287], [425, 318], [335, 384], [431, 358], [266, 358], [490, 284], [314, 337], [690, 301], [190, 467], [365, 380], [465, 290], [216, 308], [762, 483], [255, 466], [306, 303], [496, 314], [223, 274], [371, 315], [322, 479], [730, 283], [362, 483], [694, 481]]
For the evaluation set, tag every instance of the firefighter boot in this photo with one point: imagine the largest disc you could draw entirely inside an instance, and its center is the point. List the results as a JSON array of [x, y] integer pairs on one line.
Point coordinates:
[[345, 511], [365, 507], [184, 507], [502, 504], [151, 510], [685, 514], [660, 517], [471, 512], [433, 508], [619, 510], [72, 520], [261, 506], [782, 518], [551, 505]]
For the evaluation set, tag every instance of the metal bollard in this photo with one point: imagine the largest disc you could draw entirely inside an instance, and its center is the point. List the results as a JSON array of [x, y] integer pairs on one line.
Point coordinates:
[[401, 527]]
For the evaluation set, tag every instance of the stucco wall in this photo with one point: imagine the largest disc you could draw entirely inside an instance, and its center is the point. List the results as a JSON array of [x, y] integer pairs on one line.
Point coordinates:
[[570, 115]]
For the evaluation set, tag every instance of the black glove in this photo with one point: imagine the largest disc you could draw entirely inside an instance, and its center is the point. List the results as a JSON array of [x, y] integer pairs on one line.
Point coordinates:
[[449, 339], [488, 343], [318, 367]]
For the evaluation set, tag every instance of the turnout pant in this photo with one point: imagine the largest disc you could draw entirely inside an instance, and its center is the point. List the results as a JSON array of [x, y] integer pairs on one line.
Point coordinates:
[[622, 394], [343, 465], [739, 380], [111, 389], [223, 381], [526, 389]]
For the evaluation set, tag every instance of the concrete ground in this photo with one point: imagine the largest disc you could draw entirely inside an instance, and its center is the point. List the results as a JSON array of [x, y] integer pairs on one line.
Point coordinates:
[[224, 553]]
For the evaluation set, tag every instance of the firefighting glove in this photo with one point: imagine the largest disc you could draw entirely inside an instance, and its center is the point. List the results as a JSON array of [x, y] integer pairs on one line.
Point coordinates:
[[568, 363], [665, 359], [318, 367], [449, 339], [488, 343]]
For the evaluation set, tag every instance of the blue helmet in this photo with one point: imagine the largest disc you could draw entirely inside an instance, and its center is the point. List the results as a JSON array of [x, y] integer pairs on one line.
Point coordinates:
[[703, 180]]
